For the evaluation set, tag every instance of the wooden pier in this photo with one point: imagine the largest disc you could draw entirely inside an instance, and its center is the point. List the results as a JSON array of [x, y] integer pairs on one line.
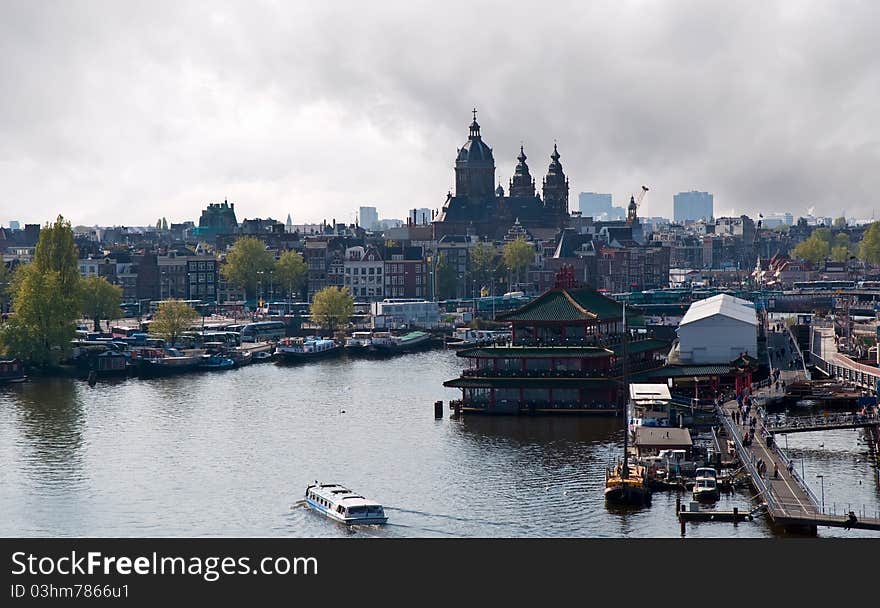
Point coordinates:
[[827, 422]]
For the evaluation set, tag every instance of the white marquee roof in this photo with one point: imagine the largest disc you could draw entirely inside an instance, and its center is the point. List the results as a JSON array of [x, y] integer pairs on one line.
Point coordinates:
[[722, 304]]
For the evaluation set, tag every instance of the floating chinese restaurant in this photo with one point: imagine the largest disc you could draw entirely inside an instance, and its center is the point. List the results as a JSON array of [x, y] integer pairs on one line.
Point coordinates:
[[565, 356]]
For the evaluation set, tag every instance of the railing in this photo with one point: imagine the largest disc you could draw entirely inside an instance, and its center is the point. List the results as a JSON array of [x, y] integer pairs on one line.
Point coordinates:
[[534, 373], [849, 419], [798, 349], [746, 456]]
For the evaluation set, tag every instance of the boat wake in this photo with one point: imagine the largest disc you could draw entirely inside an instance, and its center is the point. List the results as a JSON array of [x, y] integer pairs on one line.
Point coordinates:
[[451, 517]]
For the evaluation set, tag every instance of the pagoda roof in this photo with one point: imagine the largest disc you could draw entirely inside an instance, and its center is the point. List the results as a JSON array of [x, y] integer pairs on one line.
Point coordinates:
[[570, 304]]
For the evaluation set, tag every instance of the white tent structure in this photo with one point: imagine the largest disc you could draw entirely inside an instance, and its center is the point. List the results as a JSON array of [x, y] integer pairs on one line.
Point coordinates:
[[718, 330]]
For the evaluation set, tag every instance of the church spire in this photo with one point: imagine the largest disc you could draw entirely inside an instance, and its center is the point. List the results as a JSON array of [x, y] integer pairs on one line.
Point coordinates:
[[556, 187], [475, 127], [522, 183]]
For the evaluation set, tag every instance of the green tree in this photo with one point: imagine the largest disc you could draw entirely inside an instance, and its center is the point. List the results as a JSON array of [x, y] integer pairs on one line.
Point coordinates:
[[840, 223], [45, 299], [332, 307], [43, 325], [517, 256], [173, 318], [5, 278], [869, 248], [482, 264], [56, 251], [100, 300], [814, 249], [839, 254], [446, 278], [291, 271], [245, 262]]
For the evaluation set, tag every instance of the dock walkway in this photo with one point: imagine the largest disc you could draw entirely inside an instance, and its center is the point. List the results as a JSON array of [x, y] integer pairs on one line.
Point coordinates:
[[790, 502]]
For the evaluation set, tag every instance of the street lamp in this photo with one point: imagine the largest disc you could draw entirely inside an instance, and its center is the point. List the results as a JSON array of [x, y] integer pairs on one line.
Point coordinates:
[[822, 480]]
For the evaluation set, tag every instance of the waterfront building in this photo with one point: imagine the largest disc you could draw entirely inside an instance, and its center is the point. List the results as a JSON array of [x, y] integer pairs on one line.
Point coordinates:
[[718, 329], [650, 440], [565, 356], [693, 205], [393, 313]]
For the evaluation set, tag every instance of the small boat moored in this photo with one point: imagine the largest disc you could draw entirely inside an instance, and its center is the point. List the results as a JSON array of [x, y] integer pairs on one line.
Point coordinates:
[[706, 484], [12, 371], [343, 505]]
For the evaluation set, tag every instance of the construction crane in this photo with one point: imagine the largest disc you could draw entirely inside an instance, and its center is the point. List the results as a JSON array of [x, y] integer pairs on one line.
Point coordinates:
[[632, 211]]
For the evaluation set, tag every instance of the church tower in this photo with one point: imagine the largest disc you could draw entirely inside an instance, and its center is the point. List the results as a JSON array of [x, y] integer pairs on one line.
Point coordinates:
[[556, 188], [475, 166], [522, 183]]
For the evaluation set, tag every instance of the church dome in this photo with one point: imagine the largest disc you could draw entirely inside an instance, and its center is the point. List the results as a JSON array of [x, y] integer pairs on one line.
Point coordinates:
[[475, 149]]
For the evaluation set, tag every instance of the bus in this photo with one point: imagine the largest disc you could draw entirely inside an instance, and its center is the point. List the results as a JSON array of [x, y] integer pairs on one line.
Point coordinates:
[[262, 331]]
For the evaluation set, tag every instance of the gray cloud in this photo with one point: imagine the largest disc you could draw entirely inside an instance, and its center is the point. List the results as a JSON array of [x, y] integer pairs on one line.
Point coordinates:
[[124, 112]]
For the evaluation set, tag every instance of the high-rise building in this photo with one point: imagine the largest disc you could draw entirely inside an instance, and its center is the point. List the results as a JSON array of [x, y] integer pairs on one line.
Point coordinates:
[[693, 205], [369, 218], [598, 206]]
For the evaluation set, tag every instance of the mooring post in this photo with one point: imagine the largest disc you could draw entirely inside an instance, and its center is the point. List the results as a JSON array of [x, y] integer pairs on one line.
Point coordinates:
[[438, 409], [678, 506], [682, 526], [735, 515]]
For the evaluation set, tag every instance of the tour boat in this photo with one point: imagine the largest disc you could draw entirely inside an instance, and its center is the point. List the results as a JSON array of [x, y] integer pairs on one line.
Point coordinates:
[[343, 505], [12, 371], [296, 349], [706, 484]]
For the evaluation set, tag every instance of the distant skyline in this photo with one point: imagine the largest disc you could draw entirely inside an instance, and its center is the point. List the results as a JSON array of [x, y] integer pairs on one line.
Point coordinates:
[[122, 113]]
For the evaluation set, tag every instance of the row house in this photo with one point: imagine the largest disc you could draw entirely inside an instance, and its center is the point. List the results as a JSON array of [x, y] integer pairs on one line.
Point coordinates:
[[406, 273], [363, 269]]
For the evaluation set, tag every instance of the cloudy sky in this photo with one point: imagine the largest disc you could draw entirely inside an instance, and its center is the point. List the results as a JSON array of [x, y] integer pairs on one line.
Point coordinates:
[[122, 112]]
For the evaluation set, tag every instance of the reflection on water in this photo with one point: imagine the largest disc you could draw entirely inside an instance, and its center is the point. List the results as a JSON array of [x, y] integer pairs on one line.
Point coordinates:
[[230, 453]]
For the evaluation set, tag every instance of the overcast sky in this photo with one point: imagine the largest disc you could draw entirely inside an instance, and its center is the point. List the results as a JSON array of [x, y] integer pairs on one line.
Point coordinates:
[[123, 112]]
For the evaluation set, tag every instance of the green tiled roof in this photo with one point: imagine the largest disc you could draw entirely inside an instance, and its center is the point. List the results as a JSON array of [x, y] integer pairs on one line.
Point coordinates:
[[555, 352], [471, 382], [578, 304]]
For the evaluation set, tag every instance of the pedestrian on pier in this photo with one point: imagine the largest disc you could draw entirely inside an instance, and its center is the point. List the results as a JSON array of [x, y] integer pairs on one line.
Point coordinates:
[[790, 467], [775, 471]]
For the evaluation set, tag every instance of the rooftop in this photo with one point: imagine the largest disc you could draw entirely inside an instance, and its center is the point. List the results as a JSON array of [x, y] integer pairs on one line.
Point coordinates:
[[722, 304]]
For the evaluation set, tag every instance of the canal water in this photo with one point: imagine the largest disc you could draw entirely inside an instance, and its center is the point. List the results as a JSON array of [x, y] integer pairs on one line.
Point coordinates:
[[229, 454]]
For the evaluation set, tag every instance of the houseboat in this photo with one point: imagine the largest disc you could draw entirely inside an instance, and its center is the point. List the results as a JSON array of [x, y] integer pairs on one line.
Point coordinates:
[[565, 357], [386, 343], [163, 362], [359, 343], [343, 505], [292, 350], [11, 371], [215, 361]]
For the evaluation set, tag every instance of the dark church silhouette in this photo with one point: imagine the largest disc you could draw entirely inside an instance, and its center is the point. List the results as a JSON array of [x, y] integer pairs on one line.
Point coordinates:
[[480, 209]]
